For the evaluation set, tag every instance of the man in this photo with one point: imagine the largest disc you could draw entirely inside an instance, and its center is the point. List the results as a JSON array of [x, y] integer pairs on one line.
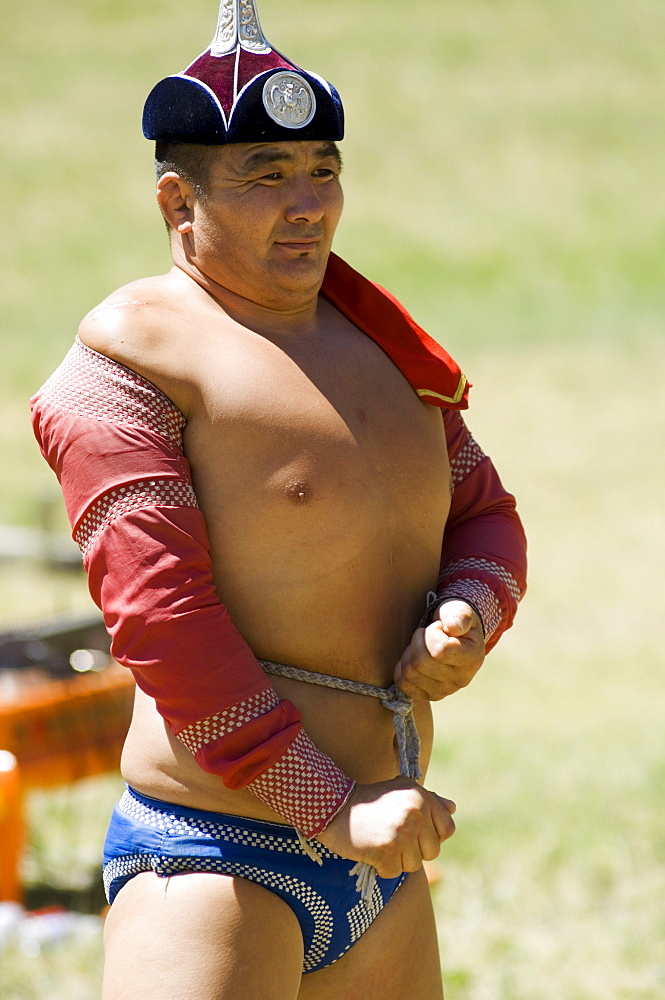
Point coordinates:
[[262, 426]]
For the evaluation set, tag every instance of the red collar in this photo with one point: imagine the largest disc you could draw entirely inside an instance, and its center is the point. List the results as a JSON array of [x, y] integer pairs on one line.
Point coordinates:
[[427, 367]]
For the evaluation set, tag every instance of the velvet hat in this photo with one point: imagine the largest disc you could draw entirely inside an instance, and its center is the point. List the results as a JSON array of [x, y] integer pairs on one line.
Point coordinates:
[[242, 90]]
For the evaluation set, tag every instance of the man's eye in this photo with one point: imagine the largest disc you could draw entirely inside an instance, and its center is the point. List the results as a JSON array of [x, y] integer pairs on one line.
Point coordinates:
[[275, 176], [323, 172]]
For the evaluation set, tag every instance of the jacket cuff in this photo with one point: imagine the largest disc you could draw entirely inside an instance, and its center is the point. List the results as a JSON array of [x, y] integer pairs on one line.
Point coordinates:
[[304, 786]]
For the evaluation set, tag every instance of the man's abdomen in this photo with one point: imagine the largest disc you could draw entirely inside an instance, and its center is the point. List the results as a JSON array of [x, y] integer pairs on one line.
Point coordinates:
[[356, 731]]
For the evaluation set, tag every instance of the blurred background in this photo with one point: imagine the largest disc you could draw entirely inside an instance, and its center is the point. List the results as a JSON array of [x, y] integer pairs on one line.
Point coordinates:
[[503, 177]]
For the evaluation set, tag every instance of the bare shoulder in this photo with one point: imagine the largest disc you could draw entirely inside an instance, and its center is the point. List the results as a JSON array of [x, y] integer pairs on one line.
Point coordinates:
[[142, 325]]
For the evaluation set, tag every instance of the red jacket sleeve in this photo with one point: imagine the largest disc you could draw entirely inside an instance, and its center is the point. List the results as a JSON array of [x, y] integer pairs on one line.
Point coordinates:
[[483, 557], [115, 443]]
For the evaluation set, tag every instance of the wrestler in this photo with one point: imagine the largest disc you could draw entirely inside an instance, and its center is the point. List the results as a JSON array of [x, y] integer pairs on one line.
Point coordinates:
[[263, 427]]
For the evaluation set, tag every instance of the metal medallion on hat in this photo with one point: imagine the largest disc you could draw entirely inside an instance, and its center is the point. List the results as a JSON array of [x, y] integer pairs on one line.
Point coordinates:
[[289, 99]]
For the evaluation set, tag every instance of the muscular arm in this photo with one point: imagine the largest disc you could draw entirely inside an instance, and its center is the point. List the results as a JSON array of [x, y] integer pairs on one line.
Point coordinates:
[[114, 441], [483, 557], [482, 576]]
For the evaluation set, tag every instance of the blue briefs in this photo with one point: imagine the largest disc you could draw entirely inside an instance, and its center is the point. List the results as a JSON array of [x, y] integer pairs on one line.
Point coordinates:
[[147, 834]]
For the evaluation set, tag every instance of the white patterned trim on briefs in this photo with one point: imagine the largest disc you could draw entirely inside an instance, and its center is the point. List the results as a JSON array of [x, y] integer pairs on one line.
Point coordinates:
[[467, 458], [482, 596], [282, 839], [127, 866], [134, 496], [89, 384], [216, 726], [361, 915]]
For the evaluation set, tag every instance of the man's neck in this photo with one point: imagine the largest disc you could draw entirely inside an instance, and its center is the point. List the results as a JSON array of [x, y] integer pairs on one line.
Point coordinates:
[[295, 318]]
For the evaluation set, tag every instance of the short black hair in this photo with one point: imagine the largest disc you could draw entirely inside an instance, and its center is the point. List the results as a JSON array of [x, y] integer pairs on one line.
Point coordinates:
[[190, 161]]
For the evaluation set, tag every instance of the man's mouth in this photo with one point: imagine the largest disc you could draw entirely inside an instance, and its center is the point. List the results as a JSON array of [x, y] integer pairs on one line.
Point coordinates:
[[303, 243]]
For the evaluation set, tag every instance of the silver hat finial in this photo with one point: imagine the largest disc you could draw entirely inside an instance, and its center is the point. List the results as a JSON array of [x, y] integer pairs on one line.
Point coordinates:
[[238, 24]]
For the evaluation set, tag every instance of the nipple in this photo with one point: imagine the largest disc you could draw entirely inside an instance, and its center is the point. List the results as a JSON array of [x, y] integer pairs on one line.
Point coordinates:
[[298, 492]]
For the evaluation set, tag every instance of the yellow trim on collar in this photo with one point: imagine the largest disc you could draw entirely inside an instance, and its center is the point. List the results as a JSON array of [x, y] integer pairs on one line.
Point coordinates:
[[459, 392]]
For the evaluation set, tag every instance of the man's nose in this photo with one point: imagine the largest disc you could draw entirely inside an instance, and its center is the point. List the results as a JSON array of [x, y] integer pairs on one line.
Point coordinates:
[[304, 203]]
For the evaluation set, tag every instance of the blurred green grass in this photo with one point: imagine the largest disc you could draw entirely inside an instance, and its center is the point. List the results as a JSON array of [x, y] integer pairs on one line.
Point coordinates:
[[553, 885], [503, 177]]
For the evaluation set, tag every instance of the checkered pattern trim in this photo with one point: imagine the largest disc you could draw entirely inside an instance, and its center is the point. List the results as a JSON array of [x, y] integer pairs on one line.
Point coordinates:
[[216, 726], [480, 595], [477, 564], [127, 866], [361, 916], [134, 496], [89, 384], [467, 458], [304, 786], [282, 839]]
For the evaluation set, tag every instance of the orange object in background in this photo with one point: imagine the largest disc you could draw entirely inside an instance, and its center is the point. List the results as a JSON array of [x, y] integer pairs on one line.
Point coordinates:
[[53, 732], [11, 827], [62, 730]]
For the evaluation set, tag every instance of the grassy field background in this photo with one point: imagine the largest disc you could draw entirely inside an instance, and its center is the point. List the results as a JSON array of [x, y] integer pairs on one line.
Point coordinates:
[[503, 177]]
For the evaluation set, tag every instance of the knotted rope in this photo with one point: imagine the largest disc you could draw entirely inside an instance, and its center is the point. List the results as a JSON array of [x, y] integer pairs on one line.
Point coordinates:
[[408, 743]]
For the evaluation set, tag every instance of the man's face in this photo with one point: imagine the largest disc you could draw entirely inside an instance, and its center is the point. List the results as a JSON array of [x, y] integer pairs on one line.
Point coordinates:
[[267, 225]]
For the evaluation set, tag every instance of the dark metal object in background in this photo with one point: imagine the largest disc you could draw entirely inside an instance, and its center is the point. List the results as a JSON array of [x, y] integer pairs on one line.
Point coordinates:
[[48, 646]]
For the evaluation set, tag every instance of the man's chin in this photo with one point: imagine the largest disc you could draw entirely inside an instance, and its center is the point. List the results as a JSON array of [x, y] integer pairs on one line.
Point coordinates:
[[300, 273]]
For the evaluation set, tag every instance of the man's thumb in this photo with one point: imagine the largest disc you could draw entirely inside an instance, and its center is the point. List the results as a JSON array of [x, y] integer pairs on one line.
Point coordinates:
[[456, 618]]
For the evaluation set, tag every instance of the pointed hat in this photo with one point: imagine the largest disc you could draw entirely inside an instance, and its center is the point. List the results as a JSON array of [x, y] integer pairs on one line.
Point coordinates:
[[242, 90]]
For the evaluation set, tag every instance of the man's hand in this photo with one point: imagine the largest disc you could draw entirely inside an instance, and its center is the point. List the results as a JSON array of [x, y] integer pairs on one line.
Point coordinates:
[[443, 657], [392, 825]]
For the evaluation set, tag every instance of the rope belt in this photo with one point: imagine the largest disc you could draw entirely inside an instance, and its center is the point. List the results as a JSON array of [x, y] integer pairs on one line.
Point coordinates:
[[408, 742]]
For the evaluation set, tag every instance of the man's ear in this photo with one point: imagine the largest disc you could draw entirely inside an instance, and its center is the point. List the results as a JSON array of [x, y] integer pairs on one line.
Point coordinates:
[[176, 200]]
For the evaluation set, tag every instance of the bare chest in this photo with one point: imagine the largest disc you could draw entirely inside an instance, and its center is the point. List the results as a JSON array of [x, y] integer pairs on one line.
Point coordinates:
[[316, 433]]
